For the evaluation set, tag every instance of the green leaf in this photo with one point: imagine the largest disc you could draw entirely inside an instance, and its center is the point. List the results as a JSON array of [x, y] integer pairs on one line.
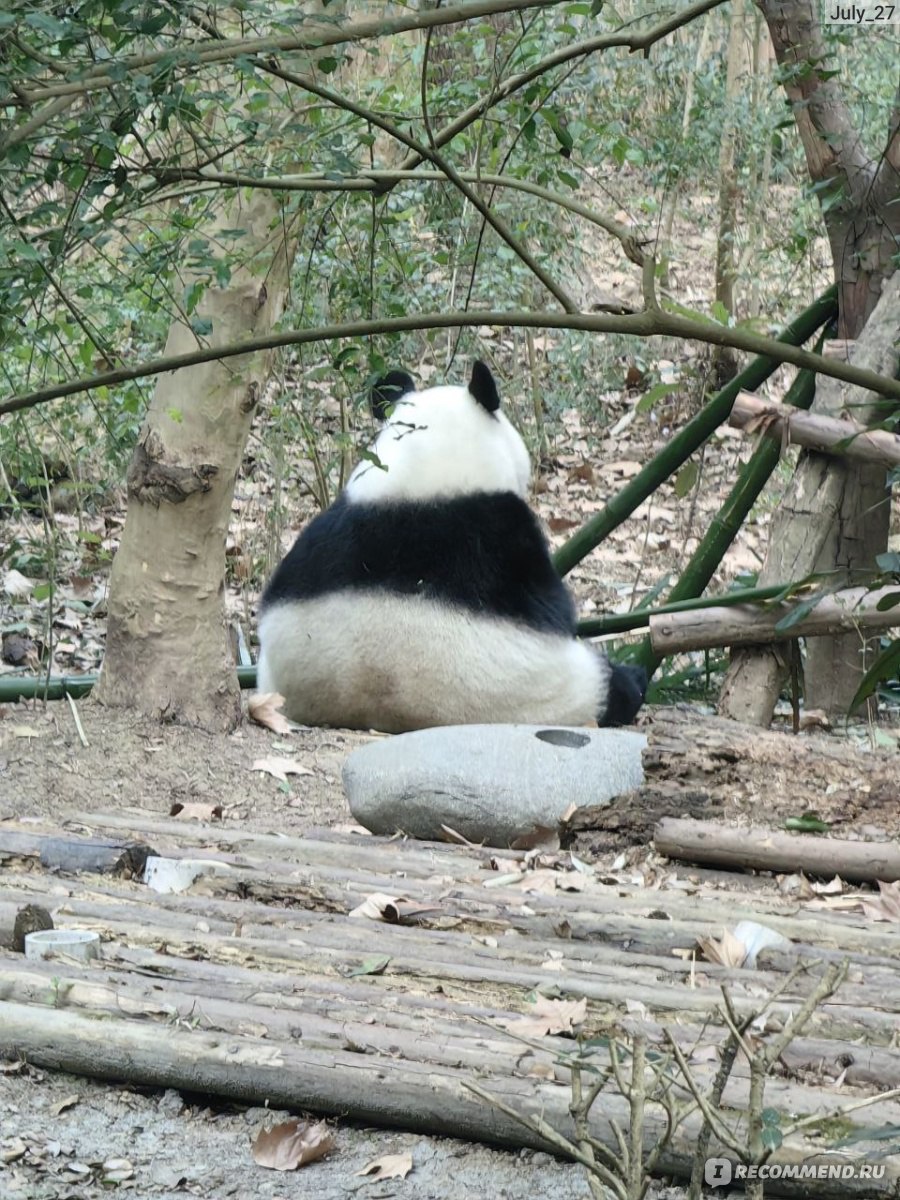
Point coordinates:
[[175, 414], [889, 562], [806, 824], [884, 1133], [42, 591], [201, 325], [803, 609], [685, 479], [192, 294], [372, 966], [720, 312], [328, 64], [770, 1136], [657, 392], [884, 667]]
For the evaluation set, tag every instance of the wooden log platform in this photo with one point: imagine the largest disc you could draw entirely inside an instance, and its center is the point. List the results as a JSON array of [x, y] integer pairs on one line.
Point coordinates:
[[260, 986]]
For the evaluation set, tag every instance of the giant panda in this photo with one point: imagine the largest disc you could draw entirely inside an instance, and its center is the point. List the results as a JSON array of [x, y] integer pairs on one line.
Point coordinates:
[[426, 595]]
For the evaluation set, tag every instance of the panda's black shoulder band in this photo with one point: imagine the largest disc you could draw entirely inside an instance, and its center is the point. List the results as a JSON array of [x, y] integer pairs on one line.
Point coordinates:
[[388, 390], [483, 387]]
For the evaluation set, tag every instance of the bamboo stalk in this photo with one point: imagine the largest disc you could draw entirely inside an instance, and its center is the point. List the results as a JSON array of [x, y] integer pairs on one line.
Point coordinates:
[[58, 687], [726, 523]]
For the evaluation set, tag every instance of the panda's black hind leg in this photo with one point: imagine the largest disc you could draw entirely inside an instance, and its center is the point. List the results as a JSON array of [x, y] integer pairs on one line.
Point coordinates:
[[627, 687]]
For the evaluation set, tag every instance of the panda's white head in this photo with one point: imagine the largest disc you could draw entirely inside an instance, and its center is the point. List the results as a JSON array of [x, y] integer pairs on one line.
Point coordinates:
[[446, 441]]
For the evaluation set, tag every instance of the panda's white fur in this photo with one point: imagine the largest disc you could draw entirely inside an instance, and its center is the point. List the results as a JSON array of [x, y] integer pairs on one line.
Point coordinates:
[[435, 665], [426, 594], [441, 443]]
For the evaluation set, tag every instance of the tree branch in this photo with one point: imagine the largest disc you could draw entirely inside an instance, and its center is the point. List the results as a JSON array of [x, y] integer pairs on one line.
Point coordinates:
[[313, 37], [377, 181], [645, 324], [425, 152]]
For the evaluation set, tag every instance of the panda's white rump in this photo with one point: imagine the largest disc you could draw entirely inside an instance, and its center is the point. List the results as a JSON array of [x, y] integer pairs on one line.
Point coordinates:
[[374, 660]]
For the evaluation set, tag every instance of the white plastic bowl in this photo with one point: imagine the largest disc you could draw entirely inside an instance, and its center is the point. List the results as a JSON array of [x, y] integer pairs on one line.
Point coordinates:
[[74, 943]]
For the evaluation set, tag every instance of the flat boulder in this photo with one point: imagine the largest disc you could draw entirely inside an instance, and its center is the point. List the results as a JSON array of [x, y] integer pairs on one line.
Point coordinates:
[[491, 783]]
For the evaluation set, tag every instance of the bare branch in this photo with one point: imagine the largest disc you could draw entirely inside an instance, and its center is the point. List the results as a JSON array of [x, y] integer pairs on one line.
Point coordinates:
[[312, 37], [644, 325], [375, 180]]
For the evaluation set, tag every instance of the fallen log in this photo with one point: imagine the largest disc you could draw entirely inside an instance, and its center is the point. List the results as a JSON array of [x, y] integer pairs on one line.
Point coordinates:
[[763, 849], [96, 856], [744, 625], [829, 435], [400, 1094]]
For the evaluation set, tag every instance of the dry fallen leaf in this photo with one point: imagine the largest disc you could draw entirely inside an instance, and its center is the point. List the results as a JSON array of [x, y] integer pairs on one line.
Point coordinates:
[[16, 584], [727, 951], [884, 907], [61, 1105], [834, 887], [395, 910], [280, 768], [561, 524], [389, 1166], [450, 835], [549, 1016], [25, 731], [376, 905], [263, 709], [540, 837], [291, 1145], [197, 812], [117, 1170]]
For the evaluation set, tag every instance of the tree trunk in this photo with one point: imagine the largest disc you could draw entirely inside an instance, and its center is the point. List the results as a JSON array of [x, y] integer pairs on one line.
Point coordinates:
[[833, 513], [858, 192], [167, 650]]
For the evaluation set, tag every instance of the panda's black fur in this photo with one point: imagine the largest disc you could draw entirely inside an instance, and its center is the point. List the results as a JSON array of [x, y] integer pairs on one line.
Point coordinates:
[[485, 553], [428, 596]]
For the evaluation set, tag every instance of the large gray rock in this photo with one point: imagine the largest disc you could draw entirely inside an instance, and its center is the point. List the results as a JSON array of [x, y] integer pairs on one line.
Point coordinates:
[[491, 783]]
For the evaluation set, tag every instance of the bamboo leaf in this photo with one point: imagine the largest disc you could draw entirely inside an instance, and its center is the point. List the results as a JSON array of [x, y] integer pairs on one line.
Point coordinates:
[[882, 668], [799, 613]]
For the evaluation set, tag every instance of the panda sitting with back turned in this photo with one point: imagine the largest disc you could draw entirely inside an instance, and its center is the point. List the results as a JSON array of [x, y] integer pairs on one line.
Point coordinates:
[[426, 595]]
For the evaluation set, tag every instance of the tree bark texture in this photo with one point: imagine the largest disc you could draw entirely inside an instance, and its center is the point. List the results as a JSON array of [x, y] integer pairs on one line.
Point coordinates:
[[770, 850], [858, 192], [748, 625], [724, 358], [167, 649], [844, 438]]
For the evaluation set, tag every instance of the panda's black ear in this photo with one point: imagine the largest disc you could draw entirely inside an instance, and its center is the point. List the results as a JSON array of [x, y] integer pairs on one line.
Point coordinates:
[[483, 387], [388, 390]]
